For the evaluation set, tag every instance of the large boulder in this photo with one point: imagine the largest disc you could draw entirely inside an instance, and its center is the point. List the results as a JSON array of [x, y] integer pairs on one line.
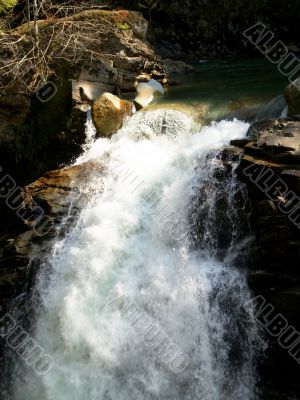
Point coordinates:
[[292, 96], [109, 112], [146, 92]]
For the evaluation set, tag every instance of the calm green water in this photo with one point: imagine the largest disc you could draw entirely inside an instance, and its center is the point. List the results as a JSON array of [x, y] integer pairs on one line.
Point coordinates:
[[224, 81], [228, 85]]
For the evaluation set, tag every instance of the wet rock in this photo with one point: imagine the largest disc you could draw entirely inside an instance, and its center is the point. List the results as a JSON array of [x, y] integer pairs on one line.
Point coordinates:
[[109, 112], [240, 142], [274, 255], [14, 258], [267, 208], [273, 149], [52, 191], [176, 67], [292, 96], [276, 140], [54, 198]]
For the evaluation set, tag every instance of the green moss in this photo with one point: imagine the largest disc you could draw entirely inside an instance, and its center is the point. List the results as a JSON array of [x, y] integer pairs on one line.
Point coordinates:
[[6, 5], [123, 26]]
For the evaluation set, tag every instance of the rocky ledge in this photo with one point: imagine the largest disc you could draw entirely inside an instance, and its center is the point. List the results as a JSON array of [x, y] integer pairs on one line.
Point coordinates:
[[270, 169]]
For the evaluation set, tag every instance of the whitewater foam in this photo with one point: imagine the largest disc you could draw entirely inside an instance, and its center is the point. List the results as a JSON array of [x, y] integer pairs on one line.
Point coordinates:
[[119, 247]]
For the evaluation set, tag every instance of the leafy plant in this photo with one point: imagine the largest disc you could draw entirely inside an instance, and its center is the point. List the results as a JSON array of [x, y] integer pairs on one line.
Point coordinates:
[[123, 26], [6, 5]]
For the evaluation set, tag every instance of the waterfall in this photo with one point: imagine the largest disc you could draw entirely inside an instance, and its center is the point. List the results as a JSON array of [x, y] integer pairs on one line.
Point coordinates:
[[134, 309]]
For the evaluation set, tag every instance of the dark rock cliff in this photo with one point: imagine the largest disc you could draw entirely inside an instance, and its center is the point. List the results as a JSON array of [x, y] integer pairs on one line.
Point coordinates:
[[270, 169]]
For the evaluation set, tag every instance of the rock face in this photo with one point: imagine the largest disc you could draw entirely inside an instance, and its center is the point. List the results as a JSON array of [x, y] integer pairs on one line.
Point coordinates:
[[37, 136], [292, 96], [205, 29], [45, 204], [109, 112], [270, 169], [15, 110]]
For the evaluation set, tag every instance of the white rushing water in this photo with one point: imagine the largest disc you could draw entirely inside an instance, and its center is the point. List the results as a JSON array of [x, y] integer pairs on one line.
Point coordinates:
[[130, 252]]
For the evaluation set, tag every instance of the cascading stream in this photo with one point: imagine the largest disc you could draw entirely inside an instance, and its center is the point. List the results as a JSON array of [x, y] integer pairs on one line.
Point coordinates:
[[131, 244]]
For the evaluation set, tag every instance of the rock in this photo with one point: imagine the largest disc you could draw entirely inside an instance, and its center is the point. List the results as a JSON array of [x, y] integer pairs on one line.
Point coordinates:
[[272, 109], [138, 24], [53, 189], [143, 77], [273, 258], [177, 67], [292, 97], [53, 195], [114, 45], [14, 258], [283, 138], [37, 136], [230, 155], [146, 92], [276, 140], [240, 142], [100, 71], [267, 208], [274, 145], [109, 112], [93, 90], [15, 110]]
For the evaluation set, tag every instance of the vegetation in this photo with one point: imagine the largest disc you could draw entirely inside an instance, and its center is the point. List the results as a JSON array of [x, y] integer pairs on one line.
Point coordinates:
[[6, 5], [35, 35], [45, 34]]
